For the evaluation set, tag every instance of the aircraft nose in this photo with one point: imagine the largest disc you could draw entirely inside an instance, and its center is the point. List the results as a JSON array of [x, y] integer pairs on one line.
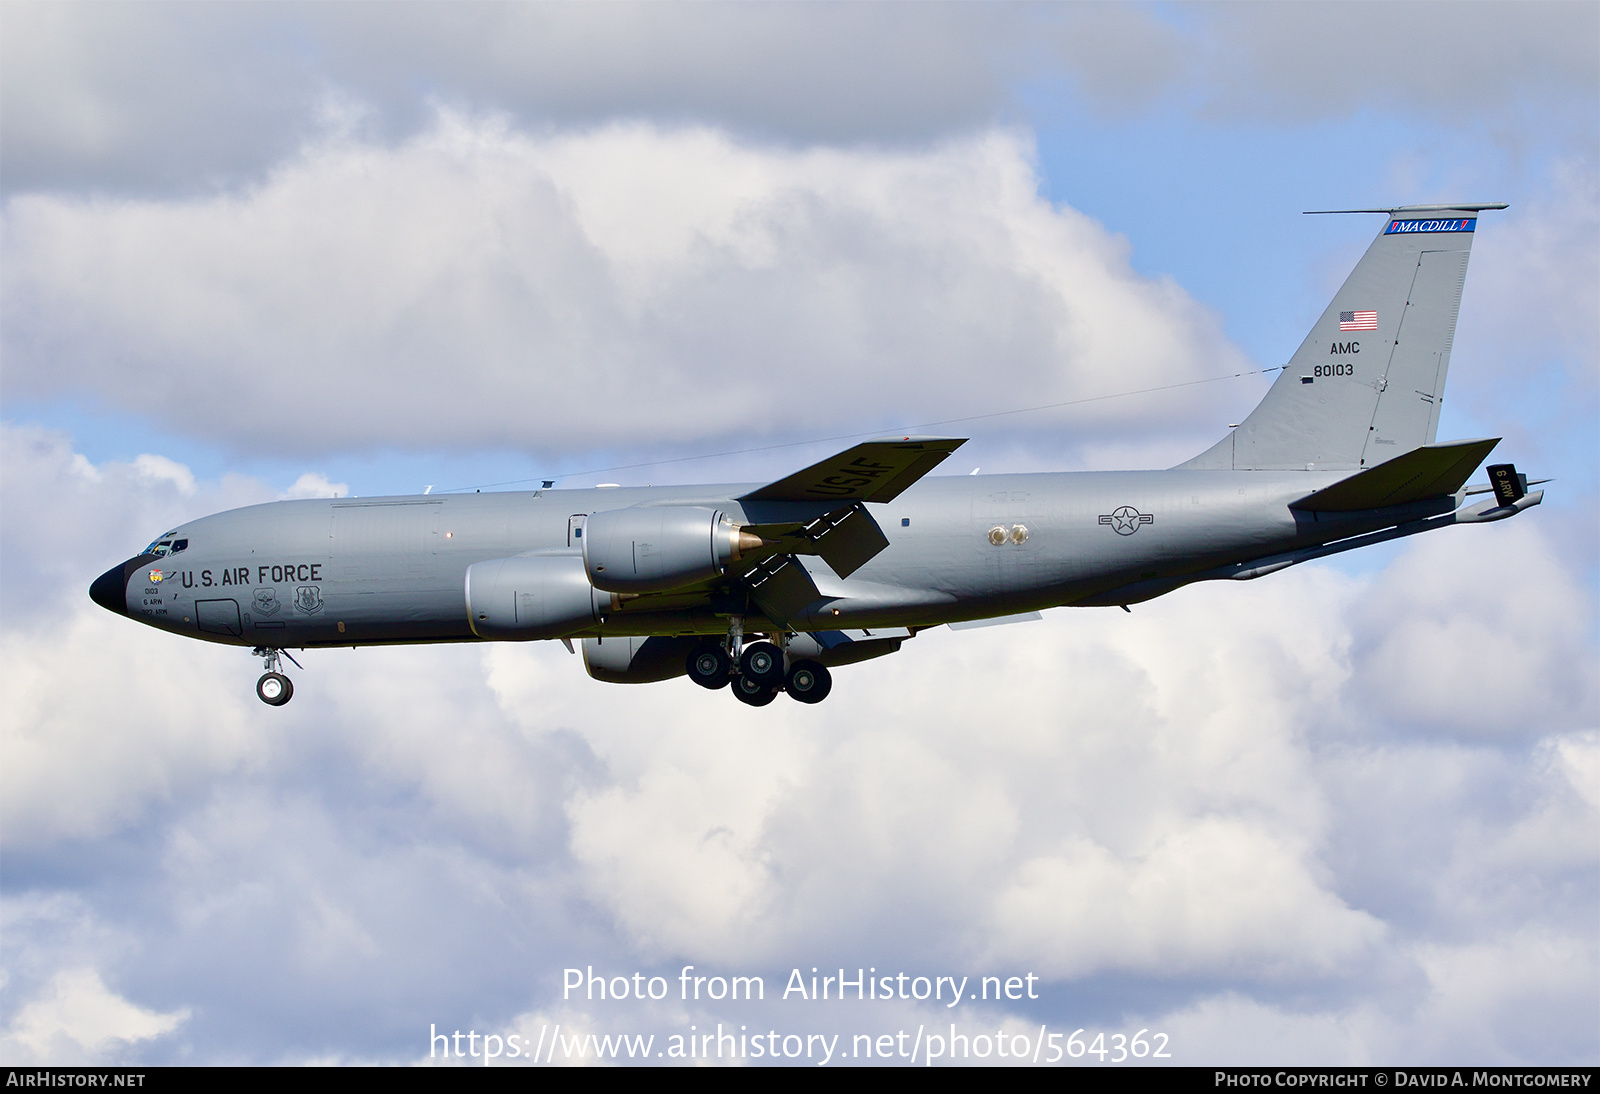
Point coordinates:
[[110, 589]]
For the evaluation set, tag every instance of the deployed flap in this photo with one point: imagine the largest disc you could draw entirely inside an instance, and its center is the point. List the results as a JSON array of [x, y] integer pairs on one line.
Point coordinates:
[[781, 588], [874, 471], [847, 541], [846, 538], [1431, 471]]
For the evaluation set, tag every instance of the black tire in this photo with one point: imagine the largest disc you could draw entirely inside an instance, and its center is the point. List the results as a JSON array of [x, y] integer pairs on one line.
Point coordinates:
[[274, 689], [752, 692], [809, 682], [763, 663], [710, 667]]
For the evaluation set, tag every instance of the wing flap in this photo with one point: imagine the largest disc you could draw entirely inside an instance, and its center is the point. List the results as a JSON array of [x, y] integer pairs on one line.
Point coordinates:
[[1432, 471], [846, 538], [781, 588]]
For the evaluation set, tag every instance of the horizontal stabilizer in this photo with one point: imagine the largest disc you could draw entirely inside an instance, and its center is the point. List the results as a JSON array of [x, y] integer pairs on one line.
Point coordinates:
[[1432, 471], [872, 471]]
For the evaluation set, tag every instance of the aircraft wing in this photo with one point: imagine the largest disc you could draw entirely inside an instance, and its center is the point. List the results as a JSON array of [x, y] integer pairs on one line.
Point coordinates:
[[873, 471], [1432, 471]]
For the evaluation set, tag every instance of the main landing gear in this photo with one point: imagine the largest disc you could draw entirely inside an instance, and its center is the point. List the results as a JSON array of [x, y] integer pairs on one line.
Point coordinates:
[[758, 671], [274, 688]]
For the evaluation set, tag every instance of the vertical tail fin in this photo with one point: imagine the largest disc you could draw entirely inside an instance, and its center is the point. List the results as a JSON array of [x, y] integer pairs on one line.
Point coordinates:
[[1366, 384]]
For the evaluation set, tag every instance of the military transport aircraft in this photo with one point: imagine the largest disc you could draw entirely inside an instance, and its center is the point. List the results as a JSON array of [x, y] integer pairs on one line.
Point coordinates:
[[765, 588]]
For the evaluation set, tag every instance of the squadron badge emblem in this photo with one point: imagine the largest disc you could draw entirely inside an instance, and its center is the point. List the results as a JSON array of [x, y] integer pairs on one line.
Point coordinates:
[[308, 599], [266, 602]]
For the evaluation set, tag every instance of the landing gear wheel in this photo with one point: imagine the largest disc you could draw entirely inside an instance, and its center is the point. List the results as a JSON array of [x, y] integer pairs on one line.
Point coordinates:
[[763, 663], [710, 667], [274, 689], [753, 692], [809, 682]]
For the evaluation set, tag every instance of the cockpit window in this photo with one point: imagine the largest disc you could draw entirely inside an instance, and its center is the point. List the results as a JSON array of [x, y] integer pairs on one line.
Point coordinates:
[[166, 545]]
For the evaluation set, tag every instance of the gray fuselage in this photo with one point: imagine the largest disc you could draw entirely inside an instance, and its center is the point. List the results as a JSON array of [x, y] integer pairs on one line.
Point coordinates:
[[355, 571]]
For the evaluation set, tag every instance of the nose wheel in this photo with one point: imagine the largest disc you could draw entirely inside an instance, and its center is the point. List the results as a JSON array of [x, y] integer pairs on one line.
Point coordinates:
[[274, 688]]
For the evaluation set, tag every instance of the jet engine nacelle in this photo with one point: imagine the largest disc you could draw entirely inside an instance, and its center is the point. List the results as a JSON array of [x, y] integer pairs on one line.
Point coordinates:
[[653, 549], [537, 596], [635, 660]]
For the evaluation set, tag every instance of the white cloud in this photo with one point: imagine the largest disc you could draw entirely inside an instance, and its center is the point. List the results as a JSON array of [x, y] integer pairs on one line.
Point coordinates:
[[164, 470], [1540, 258], [314, 484], [478, 287], [1439, 653], [1211, 896], [158, 96], [1311, 60], [77, 1020], [99, 726], [168, 97], [1524, 997], [1485, 993]]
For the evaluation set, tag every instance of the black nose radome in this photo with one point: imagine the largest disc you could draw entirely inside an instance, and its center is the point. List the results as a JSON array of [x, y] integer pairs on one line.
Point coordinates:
[[110, 589]]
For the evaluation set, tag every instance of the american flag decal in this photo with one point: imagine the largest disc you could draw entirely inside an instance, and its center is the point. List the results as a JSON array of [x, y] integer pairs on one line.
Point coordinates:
[[1358, 320]]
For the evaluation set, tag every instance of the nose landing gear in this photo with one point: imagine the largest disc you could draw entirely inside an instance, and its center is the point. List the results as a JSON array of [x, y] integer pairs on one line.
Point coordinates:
[[274, 688]]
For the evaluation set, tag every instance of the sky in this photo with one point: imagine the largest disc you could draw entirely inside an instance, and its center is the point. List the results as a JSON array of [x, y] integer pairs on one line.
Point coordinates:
[[1346, 814]]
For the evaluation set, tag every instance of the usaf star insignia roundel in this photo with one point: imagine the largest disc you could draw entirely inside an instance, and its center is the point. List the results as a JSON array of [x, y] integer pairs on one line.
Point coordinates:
[[1125, 519]]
